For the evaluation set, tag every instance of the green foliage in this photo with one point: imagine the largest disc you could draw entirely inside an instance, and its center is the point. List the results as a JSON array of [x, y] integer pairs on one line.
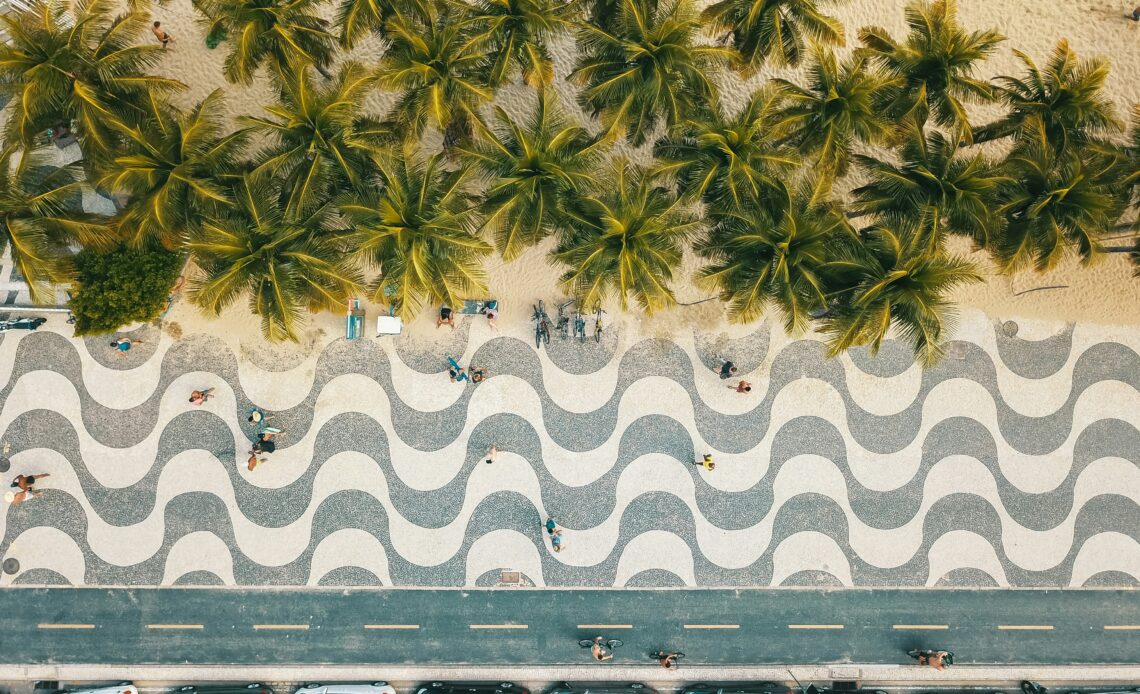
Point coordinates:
[[288, 34], [124, 285], [172, 168], [359, 18], [773, 30], [516, 33], [531, 168], [625, 240], [419, 232], [285, 264], [646, 68], [78, 62]]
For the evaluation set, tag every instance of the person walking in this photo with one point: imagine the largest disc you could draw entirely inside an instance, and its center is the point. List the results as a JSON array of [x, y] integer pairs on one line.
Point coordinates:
[[492, 314], [161, 34], [742, 387], [253, 461], [492, 454], [27, 482], [124, 344], [727, 368], [257, 416], [200, 396], [551, 525], [556, 540], [457, 372], [1135, 16], [445, 317], [706, 462], [478, 374]]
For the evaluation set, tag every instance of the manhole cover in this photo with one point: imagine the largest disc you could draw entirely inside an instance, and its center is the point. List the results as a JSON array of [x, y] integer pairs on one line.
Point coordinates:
[[1009, 328], [5, 465], [11, 566]]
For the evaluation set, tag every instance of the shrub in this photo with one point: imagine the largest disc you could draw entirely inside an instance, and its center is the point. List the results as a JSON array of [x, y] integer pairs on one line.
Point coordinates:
[[121, 286]]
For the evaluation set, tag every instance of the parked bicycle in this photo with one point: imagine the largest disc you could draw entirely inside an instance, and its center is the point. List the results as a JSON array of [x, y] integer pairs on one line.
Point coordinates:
[[541, 325], [564, 320], [598, 311], [580, 325]]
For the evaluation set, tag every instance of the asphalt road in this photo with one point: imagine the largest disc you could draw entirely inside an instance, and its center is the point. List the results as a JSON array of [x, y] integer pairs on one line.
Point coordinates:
[[542, 627]]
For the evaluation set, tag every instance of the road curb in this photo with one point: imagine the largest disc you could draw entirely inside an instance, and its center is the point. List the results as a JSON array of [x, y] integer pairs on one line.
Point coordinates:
[[869, 675]]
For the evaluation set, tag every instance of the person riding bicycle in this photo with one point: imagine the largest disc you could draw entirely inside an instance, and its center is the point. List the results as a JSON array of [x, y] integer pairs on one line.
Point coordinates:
[[667, 660], [600, 650], [935, 659]]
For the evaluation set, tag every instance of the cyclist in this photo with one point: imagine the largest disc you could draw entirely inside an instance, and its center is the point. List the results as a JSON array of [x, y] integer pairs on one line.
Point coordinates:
[[935, 659], [667, 660], [600, 650]]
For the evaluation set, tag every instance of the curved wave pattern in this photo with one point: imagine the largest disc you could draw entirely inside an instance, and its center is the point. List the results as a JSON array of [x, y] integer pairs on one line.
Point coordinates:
[[1016, 462]]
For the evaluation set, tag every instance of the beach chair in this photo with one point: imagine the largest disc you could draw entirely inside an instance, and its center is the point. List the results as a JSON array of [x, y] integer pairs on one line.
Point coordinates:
[[354, 322]]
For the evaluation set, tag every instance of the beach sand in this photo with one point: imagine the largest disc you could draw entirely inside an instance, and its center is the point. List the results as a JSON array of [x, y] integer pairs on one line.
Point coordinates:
[[1105, 293]]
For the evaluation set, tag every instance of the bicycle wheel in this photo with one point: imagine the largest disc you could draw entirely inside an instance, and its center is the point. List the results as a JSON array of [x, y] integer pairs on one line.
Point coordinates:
[[678, 656], [546, 334], [598, 332], [615, 643], [586, 643], [538, 336]]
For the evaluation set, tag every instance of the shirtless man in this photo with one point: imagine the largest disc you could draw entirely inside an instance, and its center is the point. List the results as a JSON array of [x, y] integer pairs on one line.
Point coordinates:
[[160, 34]]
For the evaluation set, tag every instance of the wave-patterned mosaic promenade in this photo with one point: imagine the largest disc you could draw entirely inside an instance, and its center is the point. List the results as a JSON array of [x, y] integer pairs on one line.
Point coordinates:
[[1015, 462]]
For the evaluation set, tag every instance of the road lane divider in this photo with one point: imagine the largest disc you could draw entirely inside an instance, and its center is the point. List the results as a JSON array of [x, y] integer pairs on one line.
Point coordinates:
[[712, 626], [942, 627], [175, 626], [1122, 627], [498, 626], [65, 626], [815, 626], [391, 626], [605, 626], [1025, 627], [281, 627]]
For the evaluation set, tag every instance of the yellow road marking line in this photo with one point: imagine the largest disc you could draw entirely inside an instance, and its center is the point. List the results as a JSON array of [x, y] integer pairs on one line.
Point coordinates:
[[66, 626], [391, 626], [498, 626], [712, 626], [174, 626], [921, 626], [815, 626], [280, 627], [1122, 627], [1025, 627], [605, 626]]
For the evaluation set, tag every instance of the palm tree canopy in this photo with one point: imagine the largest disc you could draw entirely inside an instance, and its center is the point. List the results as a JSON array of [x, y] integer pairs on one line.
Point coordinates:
[[646, 68], [171, 170], [1056, 201], [359, 18], [841, 105], [65, 62], [419, 231], [935, 190], [1066, 100], [730, 162], [285, 264], [436, 63], [516, 32], [773, 30], [531, 167], [936, 62], [759, 260], [319, 141], [626, 239], [40, 216], [896, 282], [289, 34]]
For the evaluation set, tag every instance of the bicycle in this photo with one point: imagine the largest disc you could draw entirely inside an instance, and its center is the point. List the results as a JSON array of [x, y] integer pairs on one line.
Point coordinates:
[[606, 646], [667, 660], [923, 656], [564, 320], [541, 325], [580, 325], [598, 322]]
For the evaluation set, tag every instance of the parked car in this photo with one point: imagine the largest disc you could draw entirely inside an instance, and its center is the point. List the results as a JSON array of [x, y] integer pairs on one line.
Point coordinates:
[[603, 688], [120, 688], [374, 688], [251, 688], [738, 688], [472, 688]]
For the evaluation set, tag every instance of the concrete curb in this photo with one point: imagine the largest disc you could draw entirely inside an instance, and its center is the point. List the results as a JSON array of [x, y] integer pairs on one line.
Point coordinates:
[[868, 675]]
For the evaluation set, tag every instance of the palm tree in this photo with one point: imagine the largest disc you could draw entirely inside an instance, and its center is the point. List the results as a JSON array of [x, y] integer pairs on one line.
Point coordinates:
[[289, 34], [936, 63], [531, 166], [439, 69], [894, 281], [318, 138], [41, 215], [731, 162], [841, 105], [516, 33], [758, 260], [419, 232], [646, 68], [935, 190], [284, 264], [1066, 101], [171, 169], [78, 62], [359, 18], [772, 29], [625, 239], [1056, 201]]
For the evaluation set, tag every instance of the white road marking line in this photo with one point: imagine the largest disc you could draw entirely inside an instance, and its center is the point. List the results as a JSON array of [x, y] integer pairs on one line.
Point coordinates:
[[605, 626], [174, 626], [280, 627], [921, 626], [66, 626], [1122, 627], [815, 626], [391, 626], [498, 626], [1025, 627], [712, 626]]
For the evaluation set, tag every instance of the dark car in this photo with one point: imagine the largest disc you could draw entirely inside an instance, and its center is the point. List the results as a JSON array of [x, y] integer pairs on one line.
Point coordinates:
[[603, 688], [472, 688], [251, 688], [738, 688]]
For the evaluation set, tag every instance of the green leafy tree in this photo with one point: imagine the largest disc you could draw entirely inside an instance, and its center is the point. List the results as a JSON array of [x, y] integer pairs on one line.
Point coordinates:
[[121, 286], [516, 34], [318, 138], [171, 168], [1065, 101], [1057, 202], [935, 190], [731, 162], [417, 227], [284, 264], [359, 18], [646, 68], [842, 105], [41, 215], [78, 62], [764, 30], [936, 62], [626, 239], [757, 260], [894, 282], [438, 67], [288, 34], [531, 167]]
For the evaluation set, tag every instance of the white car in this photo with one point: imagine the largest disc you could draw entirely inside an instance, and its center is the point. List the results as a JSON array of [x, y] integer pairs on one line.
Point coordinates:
[[120, 688], [374, 688]]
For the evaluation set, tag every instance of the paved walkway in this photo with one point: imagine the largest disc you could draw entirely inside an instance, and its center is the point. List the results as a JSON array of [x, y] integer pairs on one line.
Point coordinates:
[[1014, 463]]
